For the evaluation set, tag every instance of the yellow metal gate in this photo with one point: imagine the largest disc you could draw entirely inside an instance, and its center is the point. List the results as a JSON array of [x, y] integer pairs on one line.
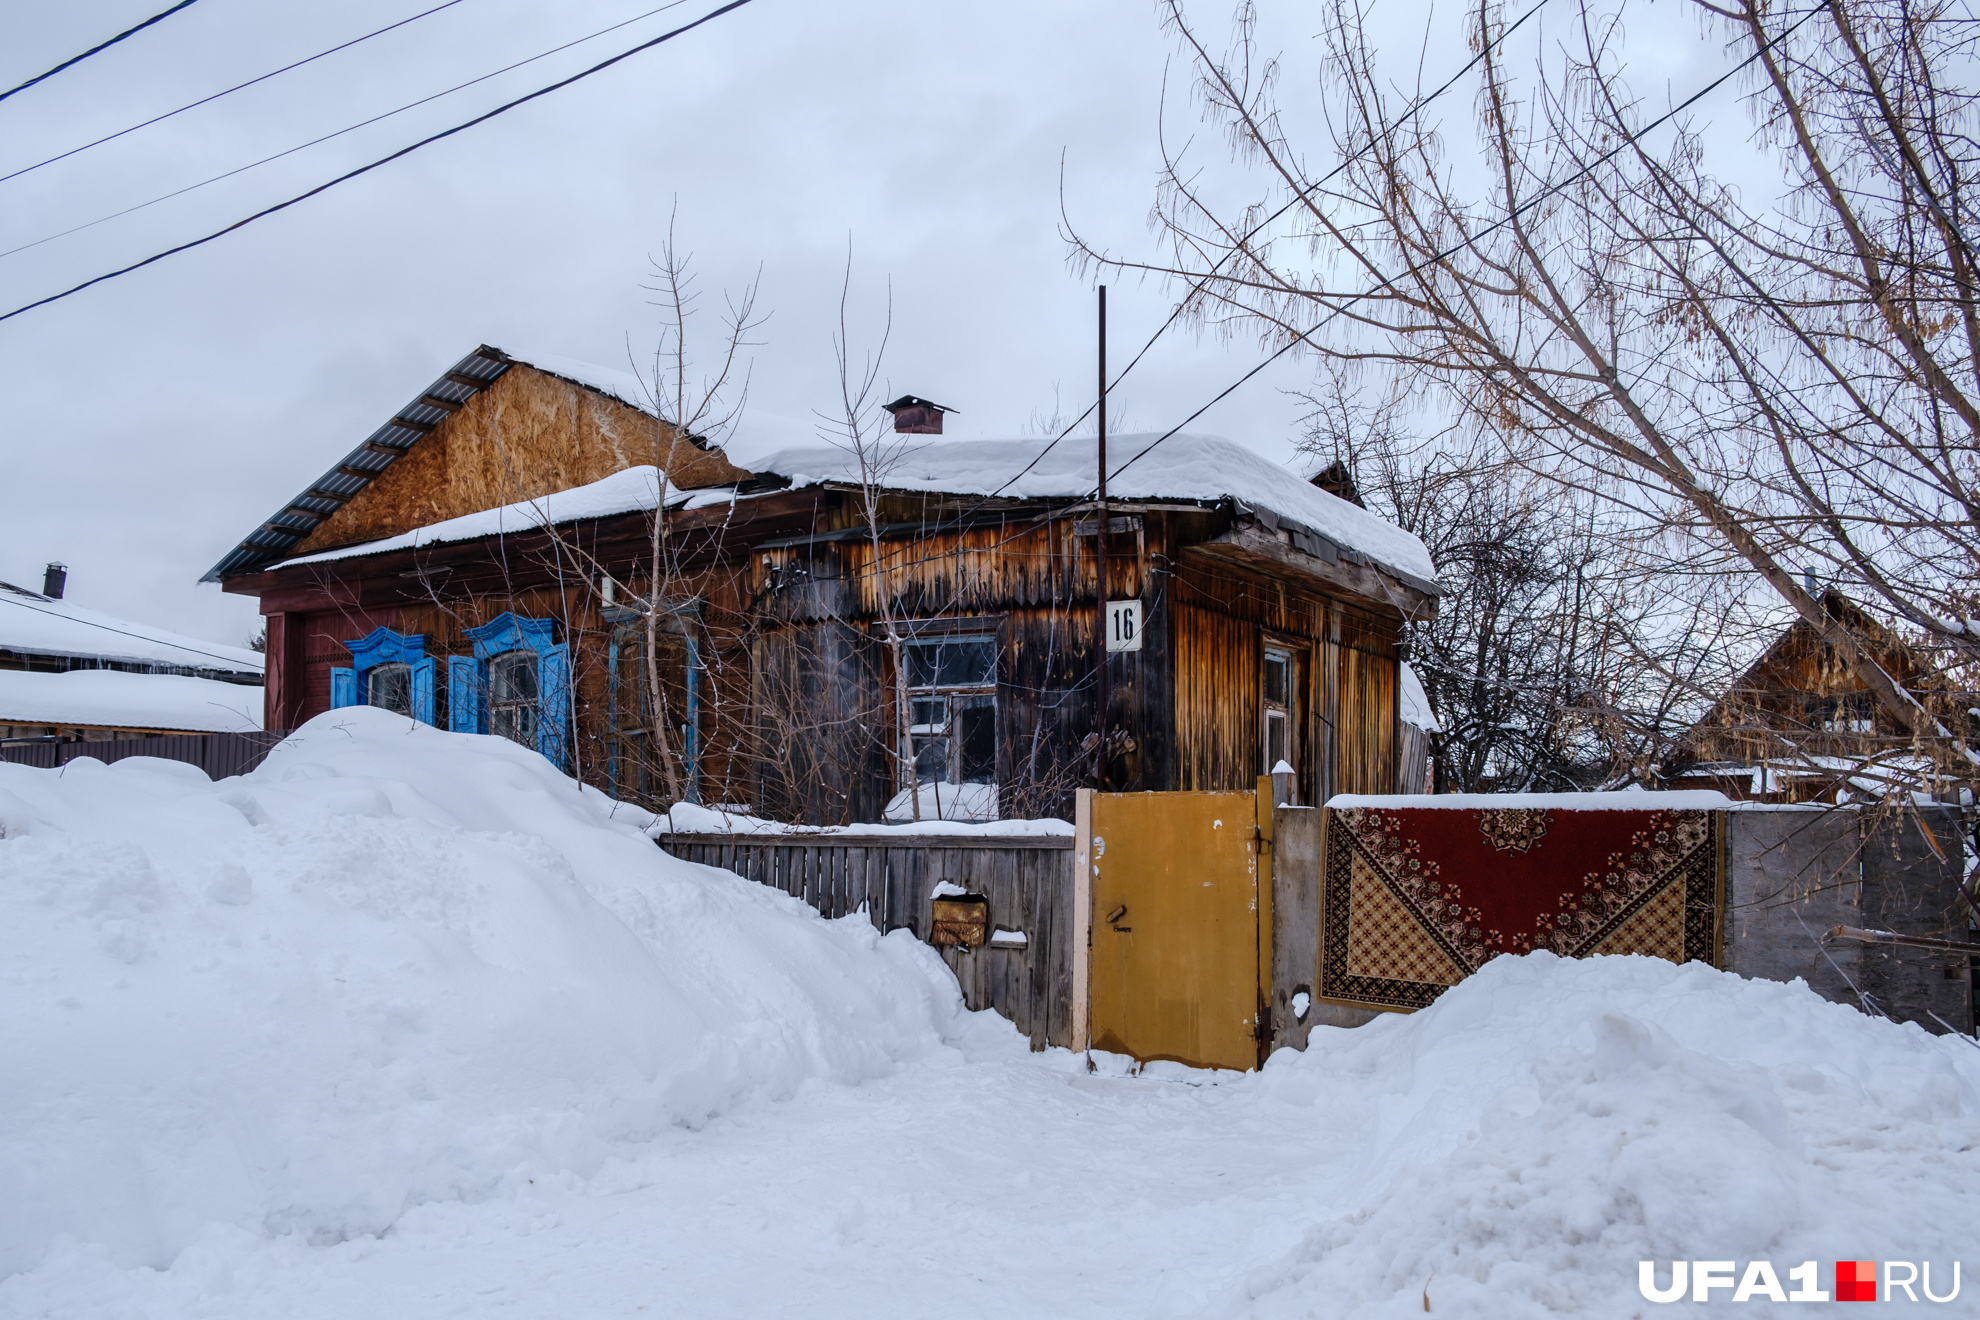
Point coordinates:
[[1173, 964]]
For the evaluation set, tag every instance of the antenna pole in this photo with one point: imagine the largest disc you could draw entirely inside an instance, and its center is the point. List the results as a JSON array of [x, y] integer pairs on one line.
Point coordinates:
[[1100, 555]]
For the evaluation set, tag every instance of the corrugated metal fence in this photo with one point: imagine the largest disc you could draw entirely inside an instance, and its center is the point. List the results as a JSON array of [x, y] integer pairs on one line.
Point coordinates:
[[1026, 879], [218, 754]]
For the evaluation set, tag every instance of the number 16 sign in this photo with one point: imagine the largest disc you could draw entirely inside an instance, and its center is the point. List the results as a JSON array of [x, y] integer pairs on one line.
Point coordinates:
[[1123, 625]]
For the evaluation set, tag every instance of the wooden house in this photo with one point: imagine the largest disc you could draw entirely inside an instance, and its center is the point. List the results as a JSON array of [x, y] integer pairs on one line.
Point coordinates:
[[1799, 724], [486, 561], [72, 674]]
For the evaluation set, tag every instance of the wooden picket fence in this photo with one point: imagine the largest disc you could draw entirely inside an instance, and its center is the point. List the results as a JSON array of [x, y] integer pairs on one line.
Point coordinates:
[[892, 878]]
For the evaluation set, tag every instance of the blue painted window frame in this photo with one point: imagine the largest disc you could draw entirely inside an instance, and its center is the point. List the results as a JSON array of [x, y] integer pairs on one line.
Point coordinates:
[[467, 680], [382, 646]]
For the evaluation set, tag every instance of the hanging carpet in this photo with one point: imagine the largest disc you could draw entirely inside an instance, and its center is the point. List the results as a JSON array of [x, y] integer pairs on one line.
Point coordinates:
[[1417, 898]]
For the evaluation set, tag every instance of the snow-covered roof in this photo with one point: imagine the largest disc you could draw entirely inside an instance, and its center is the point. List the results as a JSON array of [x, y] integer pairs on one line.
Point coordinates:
[[114, 699], [621, 385], [34, 624], [1414, 702], [1182, 467], [627, 491]]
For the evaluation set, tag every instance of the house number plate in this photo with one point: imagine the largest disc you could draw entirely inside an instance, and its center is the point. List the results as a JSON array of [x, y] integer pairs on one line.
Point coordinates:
[[1123, 625]]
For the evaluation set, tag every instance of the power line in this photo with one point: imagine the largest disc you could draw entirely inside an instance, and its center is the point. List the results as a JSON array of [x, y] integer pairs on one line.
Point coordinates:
[[100, 46], [363, 123], [208, 100], [1298, 197], [1627, 141], [1442, 256], [90, 623], [504, 108]]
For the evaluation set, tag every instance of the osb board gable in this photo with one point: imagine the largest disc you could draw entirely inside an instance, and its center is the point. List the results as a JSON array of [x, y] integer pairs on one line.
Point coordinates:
[[527, 435]]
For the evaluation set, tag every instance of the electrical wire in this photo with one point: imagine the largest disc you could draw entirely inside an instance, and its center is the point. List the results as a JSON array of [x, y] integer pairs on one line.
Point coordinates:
[[1627, 141], [348, 175], [96, 49], [1446, 254], [363, 123], [232, 662], [1298, 197], [208, 100]]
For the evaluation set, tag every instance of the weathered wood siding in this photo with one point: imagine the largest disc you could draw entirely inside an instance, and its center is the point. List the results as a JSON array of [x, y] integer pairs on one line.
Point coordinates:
[[1027, 881], [1222, 619], [782, 593]]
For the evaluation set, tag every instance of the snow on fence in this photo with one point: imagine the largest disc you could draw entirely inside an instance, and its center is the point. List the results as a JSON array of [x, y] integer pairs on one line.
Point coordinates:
[[218, 754], [1024, 967]]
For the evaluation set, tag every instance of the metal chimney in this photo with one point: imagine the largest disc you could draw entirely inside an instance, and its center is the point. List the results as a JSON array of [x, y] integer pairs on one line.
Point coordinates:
[[54, 580], [914, 416]]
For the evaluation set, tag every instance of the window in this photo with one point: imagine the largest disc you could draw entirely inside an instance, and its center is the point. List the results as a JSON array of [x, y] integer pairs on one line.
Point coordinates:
[[513, 696], [390, 671], [952, 685], [389, 686], [1277, 693], [635, 769], [516, 684]]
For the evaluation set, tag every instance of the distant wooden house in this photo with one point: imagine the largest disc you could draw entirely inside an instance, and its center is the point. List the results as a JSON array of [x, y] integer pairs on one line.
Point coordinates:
[[484, 562], [68, 673], [1799, 725]]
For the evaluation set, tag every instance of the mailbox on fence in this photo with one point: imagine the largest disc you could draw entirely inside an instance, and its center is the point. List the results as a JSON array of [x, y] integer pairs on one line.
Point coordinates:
[[960, 921]]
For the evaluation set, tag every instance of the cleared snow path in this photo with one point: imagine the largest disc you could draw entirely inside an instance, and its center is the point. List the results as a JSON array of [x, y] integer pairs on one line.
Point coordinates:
[[318, 1042], [993, 1188]]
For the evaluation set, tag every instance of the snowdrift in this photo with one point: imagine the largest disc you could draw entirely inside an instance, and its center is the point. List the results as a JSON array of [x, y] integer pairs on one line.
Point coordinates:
[[1523, 1142], [393, 965]]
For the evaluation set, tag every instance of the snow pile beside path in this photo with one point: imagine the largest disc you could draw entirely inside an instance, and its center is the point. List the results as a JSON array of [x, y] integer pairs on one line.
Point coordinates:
[[393, 965], [1547, 1124]]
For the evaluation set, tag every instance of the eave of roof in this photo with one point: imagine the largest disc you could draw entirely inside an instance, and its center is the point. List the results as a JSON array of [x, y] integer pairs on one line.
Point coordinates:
[[292, 524]]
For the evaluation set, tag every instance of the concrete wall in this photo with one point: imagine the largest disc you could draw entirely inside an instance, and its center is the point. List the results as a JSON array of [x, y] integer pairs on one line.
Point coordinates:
[[1794, 873], [1295, 920], [1296, 844]]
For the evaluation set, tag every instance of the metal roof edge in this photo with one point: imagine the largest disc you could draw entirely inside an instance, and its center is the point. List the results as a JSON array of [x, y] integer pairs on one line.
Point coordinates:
[[289, 526]]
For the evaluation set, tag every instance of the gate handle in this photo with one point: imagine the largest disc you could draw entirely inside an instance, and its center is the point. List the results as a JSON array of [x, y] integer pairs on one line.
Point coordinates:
[[1116, 915]]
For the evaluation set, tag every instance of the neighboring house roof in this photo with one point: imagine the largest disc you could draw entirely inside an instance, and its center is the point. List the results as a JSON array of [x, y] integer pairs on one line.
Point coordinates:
[[1201, 468], [113, 699], [1784, 665], [34, 624], [293, 523]]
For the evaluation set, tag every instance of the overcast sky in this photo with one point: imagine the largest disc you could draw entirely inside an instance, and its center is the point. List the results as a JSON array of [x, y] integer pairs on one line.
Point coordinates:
[[151, 422]]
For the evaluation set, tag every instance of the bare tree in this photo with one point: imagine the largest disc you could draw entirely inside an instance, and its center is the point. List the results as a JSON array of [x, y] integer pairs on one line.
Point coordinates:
[[1783, 380], [861, 429], [694, 405]]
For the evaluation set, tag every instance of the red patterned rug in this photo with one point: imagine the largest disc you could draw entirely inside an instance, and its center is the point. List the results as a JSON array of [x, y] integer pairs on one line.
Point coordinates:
[[1417, 898]]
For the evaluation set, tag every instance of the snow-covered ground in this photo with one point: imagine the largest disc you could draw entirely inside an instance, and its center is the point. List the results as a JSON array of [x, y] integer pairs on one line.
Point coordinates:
[[405, 1025]]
